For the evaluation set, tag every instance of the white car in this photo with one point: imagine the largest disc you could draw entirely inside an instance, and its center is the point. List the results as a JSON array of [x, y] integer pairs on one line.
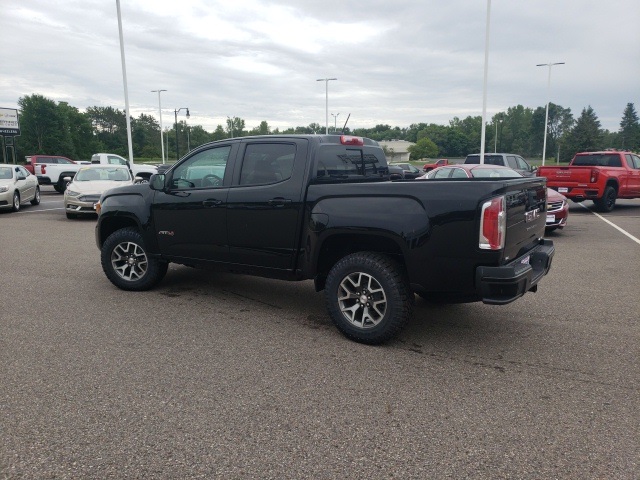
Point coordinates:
[[88, 185], [17, 186]]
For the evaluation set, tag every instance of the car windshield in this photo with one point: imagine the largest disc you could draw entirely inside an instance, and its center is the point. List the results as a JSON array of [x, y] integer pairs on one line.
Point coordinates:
[[494, 173], [5, 173], [105, 174]]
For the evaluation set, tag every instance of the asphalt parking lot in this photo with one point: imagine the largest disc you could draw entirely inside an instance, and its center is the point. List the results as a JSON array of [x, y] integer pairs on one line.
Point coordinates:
[[220, 376]]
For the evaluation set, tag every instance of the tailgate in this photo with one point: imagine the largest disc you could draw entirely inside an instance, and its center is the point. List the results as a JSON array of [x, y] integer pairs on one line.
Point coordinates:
[[565, 176], [526, 216]]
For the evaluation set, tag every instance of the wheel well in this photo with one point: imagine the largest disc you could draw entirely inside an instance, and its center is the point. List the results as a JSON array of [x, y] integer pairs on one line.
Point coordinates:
[[338, 246], [110, 225], [612, 183]]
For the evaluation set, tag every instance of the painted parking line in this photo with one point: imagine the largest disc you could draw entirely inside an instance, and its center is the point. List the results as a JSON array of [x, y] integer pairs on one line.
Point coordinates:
[[41, 210], [612, 224]]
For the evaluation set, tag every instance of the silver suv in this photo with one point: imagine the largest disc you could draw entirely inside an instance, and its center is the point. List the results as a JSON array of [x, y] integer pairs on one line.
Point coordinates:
[[511, 160]]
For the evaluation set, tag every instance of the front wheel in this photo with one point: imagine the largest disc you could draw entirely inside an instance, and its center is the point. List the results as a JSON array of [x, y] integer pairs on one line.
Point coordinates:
[[15, 205], [368, 297], [608, 200], [126, 264]]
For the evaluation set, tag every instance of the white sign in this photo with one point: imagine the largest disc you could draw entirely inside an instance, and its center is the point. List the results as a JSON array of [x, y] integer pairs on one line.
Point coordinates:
[[9, 121]]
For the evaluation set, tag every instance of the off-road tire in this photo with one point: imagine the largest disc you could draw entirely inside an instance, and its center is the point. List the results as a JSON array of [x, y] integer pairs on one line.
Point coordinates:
[[126, 263], [368, 297]]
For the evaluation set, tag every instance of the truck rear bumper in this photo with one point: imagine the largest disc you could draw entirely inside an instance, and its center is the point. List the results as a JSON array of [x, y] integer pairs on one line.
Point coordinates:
[[504, 284]]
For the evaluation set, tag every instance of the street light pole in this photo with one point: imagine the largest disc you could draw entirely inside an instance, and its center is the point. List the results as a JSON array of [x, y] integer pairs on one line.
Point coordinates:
[[175, 112], [160, 112], [326, 85], [546, 114], [335, 121]]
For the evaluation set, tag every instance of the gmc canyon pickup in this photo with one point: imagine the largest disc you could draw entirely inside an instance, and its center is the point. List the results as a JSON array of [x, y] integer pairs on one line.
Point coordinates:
[[322, 207], [598, 176]]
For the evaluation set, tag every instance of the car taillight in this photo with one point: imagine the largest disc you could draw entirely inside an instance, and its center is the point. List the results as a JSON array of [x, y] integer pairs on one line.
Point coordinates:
[[493, 223], [43, 169], [349, 140], [594, 175]]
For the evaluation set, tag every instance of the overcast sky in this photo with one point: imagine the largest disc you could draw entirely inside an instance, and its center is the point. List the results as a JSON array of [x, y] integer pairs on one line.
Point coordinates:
[[397, 62]]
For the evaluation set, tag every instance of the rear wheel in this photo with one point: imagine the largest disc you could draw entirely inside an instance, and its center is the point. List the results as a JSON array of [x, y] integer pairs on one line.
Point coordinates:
[[368, 297], [608, 200], [36, 197], [71, 215], [58, 188], [16, 201], [126, 263]]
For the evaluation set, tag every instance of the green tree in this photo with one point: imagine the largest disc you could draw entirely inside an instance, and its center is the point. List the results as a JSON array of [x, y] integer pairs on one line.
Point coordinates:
[[585, 136], [110, 127], [235, 127], [219, 133], [423, 148], [43, 127], [630, 128], [560, 122]]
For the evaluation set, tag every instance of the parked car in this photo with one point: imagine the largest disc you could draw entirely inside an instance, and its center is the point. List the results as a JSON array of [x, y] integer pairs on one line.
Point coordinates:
[[557, 209], [89, 183], [17, 186], [398, 171], [510, 160], [298, 207], [33, 160], [439, 163], [601, 177]]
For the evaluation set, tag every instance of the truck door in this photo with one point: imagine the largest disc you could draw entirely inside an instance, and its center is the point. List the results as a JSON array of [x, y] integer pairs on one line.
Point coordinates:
[[265, 202], [633, 162], [190, 216]]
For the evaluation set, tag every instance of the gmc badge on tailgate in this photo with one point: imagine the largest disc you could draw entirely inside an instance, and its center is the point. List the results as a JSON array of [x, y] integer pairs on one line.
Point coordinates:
[[531, 215]]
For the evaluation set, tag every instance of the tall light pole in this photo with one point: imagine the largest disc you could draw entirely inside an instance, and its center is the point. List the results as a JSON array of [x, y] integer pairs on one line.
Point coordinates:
[[326, 89], [335, 121], [160, 112], [124, 81], [546, 114], [495, 143], [175, 112], [484, 86]]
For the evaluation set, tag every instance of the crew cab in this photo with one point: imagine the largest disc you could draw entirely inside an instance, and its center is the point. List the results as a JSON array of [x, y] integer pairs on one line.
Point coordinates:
[[60, 175], [321, 207], [33, 160], [598, 176], [510, 160]]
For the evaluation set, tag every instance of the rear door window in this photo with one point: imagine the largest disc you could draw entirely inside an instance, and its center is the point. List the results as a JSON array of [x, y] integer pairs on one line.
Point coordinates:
[[266, 163], [343, 161]]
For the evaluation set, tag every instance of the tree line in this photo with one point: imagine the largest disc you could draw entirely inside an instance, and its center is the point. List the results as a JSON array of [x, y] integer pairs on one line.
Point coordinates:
[[54, 128]]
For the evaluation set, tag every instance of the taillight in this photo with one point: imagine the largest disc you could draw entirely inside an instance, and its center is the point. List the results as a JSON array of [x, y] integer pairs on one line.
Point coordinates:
[[349, 140], [493, 224], [43, 169], [594, 175]]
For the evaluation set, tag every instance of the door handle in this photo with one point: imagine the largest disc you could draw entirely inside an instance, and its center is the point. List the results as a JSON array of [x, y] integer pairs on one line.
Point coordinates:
[[279, 202], [212, 203]]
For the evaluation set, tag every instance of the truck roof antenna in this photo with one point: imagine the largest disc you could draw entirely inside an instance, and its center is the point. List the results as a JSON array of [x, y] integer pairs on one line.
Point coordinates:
[[345, 122]]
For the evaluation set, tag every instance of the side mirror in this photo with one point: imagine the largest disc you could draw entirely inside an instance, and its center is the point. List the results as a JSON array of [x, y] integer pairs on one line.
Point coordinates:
[[21, 177], [156, 181]]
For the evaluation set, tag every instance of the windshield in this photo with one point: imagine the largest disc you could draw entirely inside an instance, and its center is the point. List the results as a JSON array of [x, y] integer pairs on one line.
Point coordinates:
[[106, 174]]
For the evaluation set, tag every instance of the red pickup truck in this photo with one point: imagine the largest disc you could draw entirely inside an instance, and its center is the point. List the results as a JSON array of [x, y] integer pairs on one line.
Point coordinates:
[[439, 163], [34, 160], [599, 176]]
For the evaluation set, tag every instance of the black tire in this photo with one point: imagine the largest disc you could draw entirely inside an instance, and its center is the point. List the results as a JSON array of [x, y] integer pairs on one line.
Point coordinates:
[[36, 198], [608, 200], [58, 188], [71, 215], [368, 297], [126, 264], [15, 205]]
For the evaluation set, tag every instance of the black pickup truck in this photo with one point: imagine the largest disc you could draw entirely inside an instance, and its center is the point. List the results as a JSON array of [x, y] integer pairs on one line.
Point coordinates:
[[322, 207]]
